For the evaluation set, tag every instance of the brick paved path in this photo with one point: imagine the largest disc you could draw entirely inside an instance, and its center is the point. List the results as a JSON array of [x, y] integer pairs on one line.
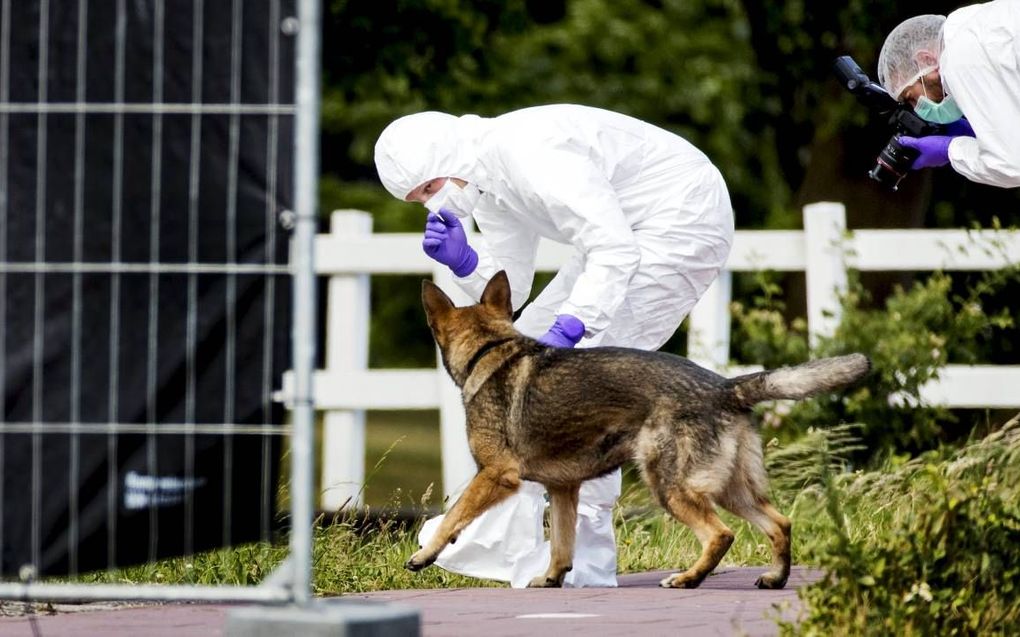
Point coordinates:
[[727, 603]]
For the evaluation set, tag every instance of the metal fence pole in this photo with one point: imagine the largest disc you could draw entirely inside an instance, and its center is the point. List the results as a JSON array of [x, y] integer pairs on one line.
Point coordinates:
[[306, 171]]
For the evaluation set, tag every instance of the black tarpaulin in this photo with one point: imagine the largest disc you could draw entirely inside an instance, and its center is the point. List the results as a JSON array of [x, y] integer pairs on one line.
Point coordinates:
[[140, 295]]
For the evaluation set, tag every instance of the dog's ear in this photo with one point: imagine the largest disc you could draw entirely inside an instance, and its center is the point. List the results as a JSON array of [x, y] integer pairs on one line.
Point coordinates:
[[497, 294], [434, 299]]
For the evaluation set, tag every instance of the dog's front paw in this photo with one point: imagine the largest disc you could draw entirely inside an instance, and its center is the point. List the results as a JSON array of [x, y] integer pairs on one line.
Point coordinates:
[[771, 580], [681, 580], [419, 561]]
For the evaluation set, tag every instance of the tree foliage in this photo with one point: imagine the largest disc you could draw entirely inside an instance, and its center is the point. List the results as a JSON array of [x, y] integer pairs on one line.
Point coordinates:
[[685, 66], [748, 82]]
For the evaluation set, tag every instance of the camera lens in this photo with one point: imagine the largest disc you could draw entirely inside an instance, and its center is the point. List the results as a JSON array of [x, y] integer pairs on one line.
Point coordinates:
[[893, 163]]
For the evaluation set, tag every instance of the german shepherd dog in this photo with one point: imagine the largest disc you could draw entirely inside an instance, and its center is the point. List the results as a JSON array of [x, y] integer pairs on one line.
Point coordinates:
[[563, 416]]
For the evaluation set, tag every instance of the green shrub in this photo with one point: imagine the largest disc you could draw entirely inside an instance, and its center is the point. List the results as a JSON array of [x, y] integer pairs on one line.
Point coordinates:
[[909, 339], [942, 551]]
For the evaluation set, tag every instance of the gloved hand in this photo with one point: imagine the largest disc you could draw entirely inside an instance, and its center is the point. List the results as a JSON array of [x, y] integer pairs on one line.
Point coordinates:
[[565, 332], [934, 150], [446, 242], [959, 128]]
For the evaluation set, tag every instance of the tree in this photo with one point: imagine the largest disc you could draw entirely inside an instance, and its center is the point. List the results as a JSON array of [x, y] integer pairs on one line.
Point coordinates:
[[748, 82]]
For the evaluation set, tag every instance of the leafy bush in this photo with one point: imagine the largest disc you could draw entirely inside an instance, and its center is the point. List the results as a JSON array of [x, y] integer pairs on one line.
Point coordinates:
[[916, 333], [943, 553]]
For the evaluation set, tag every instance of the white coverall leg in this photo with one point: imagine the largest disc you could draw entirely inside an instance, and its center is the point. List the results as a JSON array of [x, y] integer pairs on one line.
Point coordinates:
[[678, 263]]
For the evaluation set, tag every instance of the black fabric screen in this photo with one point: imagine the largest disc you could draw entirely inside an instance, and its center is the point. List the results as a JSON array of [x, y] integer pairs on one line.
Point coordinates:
[[170, 156]]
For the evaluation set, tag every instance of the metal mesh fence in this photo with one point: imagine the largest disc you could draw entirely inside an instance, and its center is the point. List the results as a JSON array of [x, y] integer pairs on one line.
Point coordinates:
[[147, 178]]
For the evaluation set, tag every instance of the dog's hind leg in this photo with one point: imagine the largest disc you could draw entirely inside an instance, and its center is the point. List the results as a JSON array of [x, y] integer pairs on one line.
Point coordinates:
[[489, 487], [745, 495], [696, 511], [759, 512], [776, 526], [756, 509], [563, 506]]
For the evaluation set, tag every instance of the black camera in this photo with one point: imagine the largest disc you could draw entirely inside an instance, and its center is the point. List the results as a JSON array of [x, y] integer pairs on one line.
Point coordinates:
[[895, 159]]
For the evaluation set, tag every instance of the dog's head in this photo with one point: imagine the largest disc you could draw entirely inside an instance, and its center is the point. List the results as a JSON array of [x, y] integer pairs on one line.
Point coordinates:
[[461, 331]]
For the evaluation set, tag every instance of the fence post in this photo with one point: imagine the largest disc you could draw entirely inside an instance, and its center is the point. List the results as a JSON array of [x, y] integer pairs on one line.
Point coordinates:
[[458, 465], [825, 270], [708, 335], [347, 331]]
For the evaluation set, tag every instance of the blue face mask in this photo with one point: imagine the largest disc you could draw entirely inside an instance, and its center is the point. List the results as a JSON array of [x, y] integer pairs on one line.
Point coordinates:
[[944, 112]]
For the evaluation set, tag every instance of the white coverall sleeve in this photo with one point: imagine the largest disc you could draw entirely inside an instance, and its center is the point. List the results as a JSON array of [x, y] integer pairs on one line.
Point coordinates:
[[993, 157], [985, 81], [584, 207], [505, 244]]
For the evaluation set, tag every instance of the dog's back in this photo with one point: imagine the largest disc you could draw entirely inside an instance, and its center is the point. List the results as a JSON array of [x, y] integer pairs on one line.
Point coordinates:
[[577, 414], [607, 372]]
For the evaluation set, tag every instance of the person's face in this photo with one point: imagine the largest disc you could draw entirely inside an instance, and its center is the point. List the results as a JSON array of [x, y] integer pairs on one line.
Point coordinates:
[[930, 85], [422, 193]]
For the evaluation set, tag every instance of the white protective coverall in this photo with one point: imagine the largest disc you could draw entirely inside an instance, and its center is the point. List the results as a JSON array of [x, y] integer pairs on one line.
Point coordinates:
[[977, 54], [651, 224], [980, 68]]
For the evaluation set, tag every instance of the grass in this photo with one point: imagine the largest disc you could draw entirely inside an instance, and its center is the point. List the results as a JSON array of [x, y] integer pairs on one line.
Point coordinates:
[[926, 546], [402, 457]]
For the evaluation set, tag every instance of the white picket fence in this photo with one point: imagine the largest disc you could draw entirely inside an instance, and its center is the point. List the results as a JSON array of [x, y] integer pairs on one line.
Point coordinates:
[[823, 251]]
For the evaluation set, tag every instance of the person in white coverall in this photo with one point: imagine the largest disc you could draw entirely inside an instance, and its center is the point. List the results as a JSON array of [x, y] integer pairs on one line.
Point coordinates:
[[966, 65], [650, 221]]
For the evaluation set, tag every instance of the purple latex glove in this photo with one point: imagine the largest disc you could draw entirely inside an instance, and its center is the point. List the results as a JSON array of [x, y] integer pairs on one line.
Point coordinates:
[[960, 127], [934, 150], [446, 242], [565, 332]]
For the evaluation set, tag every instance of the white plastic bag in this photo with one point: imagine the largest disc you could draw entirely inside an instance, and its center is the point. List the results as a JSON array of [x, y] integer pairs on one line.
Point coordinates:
[[507, 542], [594, 562], [489, 546]]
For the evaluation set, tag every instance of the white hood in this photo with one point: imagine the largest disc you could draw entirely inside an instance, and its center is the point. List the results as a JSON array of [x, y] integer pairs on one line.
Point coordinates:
[[423, 146]]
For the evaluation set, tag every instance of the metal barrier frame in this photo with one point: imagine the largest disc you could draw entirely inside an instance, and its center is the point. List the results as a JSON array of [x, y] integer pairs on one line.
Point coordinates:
[[291, 582]]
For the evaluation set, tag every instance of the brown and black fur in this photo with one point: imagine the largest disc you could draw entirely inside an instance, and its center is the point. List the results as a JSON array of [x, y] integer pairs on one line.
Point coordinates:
[[563, 416]]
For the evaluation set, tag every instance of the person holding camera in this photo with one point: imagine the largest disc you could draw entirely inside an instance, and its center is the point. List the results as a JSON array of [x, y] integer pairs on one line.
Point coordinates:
[[962, 71], [650, 222]]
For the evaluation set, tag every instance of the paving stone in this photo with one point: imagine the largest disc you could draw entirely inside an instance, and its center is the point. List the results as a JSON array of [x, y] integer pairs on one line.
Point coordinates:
[[727, 603]]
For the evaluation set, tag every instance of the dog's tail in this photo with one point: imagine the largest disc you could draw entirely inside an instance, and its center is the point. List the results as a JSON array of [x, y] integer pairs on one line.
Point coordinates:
[[799, 381]]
